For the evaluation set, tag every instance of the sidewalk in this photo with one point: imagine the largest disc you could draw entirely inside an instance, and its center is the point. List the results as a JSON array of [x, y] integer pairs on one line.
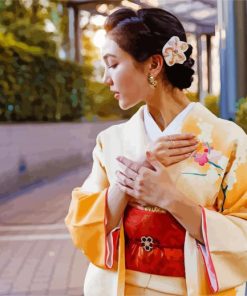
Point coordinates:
[[37, 256]]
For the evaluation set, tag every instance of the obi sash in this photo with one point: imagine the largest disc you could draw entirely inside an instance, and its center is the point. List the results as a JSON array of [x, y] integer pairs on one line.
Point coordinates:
[[154, 242]]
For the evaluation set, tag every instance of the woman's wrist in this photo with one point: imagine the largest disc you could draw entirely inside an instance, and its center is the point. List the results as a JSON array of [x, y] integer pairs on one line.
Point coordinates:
[[115, 190], [167, 200], [116, 203], [187, 213]]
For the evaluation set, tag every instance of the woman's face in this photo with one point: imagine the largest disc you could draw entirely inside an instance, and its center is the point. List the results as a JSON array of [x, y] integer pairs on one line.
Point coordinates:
[[125, 77]]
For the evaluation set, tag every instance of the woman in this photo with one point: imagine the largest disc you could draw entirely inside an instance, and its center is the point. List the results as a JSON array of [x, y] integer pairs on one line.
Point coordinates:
[[163, 211]]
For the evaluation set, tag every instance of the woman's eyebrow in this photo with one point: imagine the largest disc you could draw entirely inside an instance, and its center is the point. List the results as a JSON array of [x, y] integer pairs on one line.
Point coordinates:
[[108, 55]]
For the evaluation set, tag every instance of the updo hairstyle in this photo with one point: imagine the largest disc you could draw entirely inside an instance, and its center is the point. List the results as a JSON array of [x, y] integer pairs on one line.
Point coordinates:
[[143, 33]]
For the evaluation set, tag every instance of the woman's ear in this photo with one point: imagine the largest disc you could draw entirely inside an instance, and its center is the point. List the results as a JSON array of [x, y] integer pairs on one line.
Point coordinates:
[[156, 64]]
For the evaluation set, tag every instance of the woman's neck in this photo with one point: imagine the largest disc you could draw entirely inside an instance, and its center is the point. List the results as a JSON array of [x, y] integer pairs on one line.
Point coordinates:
[[165, 104]]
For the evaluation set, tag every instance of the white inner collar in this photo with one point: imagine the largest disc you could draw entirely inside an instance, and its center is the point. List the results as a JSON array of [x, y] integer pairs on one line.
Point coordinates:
[[174, 127]]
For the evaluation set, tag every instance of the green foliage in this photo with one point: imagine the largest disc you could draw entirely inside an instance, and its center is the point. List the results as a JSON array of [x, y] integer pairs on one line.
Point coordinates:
[[212, 103], [100, 101], [241, 114], [36, 86], [27, 25], [33, 34], [192, 96]]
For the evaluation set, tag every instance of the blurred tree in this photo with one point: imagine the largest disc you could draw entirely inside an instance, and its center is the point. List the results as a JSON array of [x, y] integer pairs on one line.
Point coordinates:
[[35, 86], [34, 83], [241, 113], [27, 24]]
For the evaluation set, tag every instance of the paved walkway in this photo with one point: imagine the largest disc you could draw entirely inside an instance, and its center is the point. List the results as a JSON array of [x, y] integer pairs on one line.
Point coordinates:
[[37, 256]]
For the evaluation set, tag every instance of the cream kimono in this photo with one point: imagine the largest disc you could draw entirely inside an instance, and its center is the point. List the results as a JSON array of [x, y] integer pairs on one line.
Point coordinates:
[[214, 177]]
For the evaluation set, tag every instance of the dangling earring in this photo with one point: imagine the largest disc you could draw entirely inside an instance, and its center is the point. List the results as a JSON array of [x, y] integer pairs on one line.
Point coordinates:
[[152, 81]]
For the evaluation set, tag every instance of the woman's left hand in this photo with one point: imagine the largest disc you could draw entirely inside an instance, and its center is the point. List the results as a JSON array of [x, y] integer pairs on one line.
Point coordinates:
[[153, 187]]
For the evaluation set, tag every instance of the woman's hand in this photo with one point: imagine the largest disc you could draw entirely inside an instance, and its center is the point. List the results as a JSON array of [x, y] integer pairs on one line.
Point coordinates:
[[155, 187], [146, 186], [169, 150], [174, 148]]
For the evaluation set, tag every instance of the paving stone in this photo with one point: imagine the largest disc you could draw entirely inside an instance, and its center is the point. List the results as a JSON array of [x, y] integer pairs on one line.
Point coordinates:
[[25, 276], [78, 271], [5, 286], [19, 294], [75, 292], [45, 266], [62, 268], [17, 260], [44, 271], [6, 254], [36, 293]]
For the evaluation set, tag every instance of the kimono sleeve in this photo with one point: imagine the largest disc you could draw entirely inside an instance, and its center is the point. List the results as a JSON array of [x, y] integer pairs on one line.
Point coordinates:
[[86, 216], [225, 230]]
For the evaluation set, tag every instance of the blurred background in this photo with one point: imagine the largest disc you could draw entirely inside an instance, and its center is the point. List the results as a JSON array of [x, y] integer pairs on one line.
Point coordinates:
[[53, 104]]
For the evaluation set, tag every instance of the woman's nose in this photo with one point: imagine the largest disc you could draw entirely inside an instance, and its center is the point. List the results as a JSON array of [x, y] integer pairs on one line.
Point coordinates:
[[107, 79]]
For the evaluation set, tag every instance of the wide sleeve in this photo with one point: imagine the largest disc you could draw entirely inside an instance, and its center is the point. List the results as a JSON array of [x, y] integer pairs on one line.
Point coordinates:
[[225, 230], [86, 218]]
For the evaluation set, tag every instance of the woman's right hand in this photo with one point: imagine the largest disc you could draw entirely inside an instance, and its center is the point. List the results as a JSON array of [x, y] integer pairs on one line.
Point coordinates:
[[174, 148], [168, 150]]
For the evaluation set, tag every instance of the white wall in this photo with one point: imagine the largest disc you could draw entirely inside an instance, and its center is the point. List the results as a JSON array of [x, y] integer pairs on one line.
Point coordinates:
[[45, 149]]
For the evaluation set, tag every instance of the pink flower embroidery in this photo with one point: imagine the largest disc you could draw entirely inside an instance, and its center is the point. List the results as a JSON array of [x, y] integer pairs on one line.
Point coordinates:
[[173, 51], [206, 154], [201, 158]]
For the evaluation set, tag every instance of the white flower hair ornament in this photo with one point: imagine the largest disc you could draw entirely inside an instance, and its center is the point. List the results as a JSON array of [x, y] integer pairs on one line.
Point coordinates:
[[173, 51]]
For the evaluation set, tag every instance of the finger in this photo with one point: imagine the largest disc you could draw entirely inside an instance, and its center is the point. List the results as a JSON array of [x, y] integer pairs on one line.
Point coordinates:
[[182, 143], [125, 189], [181, 151], [175, 137], [168, 143], [128, 163], [175, 159], [151, 158], [124, 180], [161, 145], [147, 165], [129, 173]]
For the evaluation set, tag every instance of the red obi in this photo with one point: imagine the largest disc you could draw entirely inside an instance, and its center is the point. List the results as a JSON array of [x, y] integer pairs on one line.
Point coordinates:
[[154, 242]]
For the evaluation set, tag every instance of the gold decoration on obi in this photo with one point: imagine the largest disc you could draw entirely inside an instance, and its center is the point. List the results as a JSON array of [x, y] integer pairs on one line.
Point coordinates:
[[154, 209]]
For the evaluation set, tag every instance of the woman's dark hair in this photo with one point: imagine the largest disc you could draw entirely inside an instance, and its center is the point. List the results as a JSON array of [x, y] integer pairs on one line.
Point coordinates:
[[144, 32]]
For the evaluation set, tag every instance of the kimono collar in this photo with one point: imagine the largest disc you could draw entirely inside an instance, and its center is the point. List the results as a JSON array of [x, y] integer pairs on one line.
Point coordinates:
[[137, 137], [174, 127]]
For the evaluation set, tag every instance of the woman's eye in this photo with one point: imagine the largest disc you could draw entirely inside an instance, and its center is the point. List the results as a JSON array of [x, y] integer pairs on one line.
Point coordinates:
[[113, 66]]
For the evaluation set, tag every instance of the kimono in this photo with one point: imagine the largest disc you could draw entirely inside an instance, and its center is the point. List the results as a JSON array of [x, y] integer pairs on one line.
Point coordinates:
[[214, 177]]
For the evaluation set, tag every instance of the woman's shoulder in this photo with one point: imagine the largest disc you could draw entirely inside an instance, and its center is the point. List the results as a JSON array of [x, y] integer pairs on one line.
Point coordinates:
[[112, 130], [220, 125], [120, 128], [231, 128]]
